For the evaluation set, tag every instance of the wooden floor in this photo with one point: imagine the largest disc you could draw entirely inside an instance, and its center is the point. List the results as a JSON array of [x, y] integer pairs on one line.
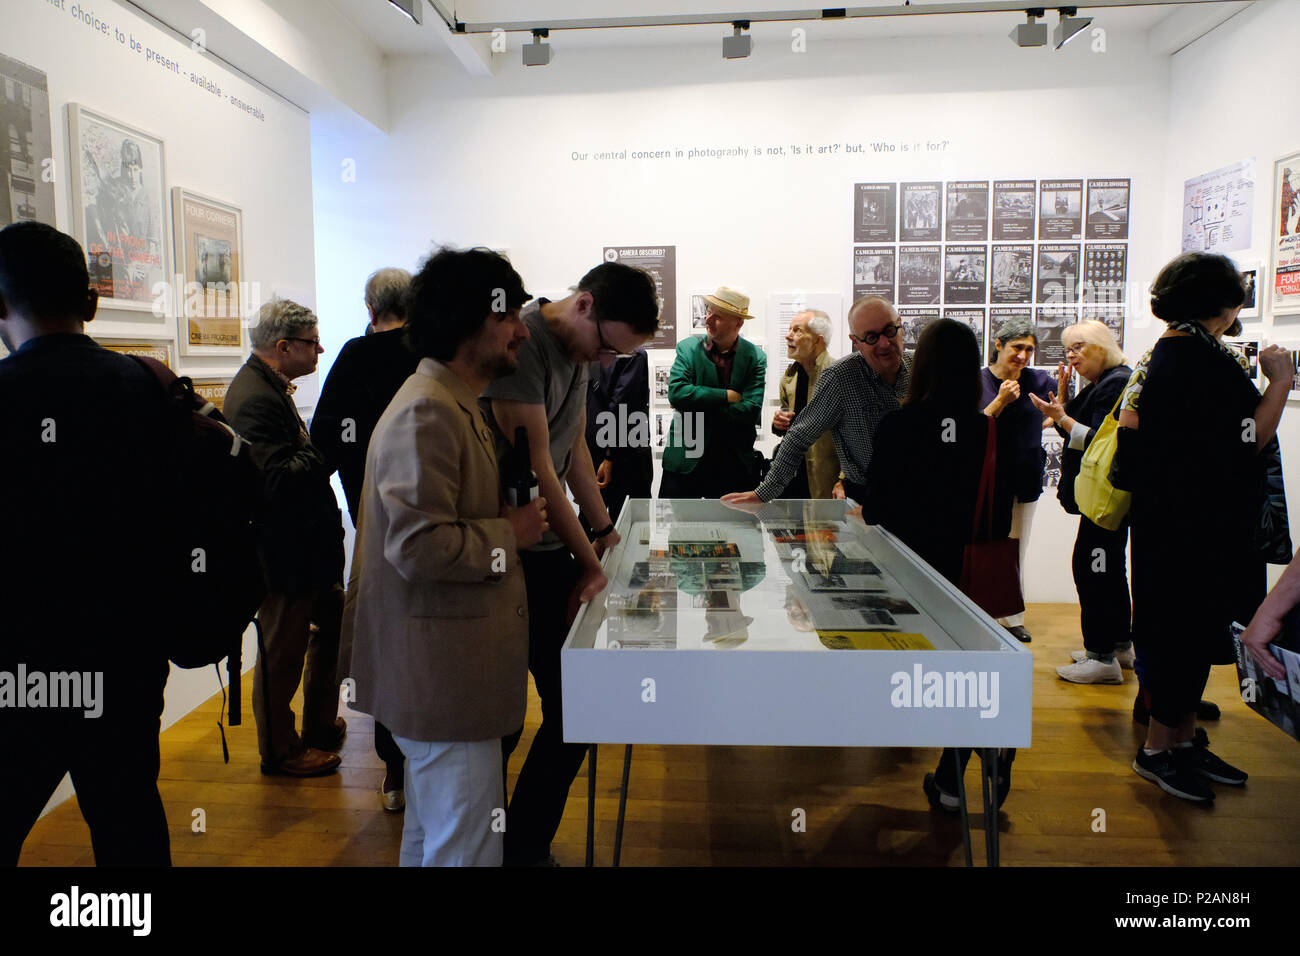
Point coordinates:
[[698, 806]]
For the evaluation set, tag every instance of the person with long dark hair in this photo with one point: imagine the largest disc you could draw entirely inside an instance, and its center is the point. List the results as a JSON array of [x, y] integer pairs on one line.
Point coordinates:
[[1196, 507], [924, 478]]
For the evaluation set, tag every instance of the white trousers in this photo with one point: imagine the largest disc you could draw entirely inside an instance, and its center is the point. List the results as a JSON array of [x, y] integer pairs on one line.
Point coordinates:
[[1022, 516], [452, 790]]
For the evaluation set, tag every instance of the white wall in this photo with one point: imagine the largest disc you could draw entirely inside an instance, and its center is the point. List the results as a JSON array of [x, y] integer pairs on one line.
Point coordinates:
[[1225, 108], [488, 161], [263, 167]]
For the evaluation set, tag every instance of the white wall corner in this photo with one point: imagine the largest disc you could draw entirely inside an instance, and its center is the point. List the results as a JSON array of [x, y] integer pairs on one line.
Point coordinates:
[[303, 49], [1189, 23]]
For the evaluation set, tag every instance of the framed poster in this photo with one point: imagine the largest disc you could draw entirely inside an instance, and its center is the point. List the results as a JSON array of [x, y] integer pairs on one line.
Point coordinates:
[[214, 390], [1286, 236], [209, 257], [117, 207], [1251, 274], [160, 349], [26, 171]]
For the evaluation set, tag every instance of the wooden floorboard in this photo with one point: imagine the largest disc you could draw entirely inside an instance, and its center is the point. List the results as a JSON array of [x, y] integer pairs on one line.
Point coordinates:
[[733, 806]]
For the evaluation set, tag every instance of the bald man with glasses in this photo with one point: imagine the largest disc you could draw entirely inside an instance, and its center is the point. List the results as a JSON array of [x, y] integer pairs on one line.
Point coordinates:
[[852, 397]]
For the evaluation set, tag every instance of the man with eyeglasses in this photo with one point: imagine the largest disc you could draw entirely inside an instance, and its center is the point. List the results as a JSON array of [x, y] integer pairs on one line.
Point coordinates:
[[852, 397], [301, 547], [613, 311]]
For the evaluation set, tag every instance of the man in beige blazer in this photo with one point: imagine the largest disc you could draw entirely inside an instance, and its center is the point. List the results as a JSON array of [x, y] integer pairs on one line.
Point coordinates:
[[435, 623], [806, 345]]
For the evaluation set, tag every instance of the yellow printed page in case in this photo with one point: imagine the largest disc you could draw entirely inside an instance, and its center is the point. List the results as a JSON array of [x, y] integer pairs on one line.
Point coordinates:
[[874, 641]]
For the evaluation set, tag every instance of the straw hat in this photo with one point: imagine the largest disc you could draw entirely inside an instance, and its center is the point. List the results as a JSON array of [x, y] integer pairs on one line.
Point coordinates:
[[730, 301]]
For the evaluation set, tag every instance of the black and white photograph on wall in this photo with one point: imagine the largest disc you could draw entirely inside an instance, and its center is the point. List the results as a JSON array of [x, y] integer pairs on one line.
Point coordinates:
[[873, 271], [663, 422], [117, 207], [699, 313], [919, 276], [1060, 209], [1013, 275], [1105, 271], [1107, 209], [1112, 316], [1058, 273], [1013, 209], [964, 274], [875, 212], [1249, 349], [914, 320], [1054, 445], [1049, 323], [1250, 278], [27, 174], [659, 382], [972, 318], [920, 212], [968, 211], [661, 263]]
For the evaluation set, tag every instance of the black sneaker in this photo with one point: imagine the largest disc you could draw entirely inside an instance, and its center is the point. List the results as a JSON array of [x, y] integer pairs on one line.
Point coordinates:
[[1212, 768], [938, 799], [1174, 772], [1020, 633]]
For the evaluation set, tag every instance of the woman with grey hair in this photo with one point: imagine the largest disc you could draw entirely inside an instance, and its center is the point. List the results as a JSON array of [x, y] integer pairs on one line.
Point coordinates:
[[1100, 572], [1007, 384]]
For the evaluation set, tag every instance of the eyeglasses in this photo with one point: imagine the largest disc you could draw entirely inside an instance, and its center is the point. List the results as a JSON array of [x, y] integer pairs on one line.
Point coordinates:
[[605, 348], [1074, 349], [871, 338], [314, 343]]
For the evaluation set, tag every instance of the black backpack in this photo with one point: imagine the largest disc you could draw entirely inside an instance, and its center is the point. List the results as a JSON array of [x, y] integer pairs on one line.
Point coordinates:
[[214, 583]]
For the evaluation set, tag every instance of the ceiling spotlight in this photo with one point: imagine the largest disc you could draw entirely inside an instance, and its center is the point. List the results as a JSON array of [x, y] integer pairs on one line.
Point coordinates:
[[1031, 32], [738, 45], [414, 9], [538, 53], [1069, 26]]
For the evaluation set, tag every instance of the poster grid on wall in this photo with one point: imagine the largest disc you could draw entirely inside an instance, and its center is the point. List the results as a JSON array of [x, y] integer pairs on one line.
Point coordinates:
[[117, 207], [209, 258], [1285, 295]]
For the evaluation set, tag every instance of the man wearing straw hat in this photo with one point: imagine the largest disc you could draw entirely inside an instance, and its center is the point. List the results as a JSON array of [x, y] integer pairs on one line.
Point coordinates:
[[716, 390]]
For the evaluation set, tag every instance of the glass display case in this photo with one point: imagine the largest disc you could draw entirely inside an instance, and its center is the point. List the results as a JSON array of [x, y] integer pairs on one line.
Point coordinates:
[[796, 625]]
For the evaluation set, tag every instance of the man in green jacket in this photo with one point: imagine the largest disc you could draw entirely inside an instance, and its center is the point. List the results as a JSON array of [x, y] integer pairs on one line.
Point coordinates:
[[716, 390]]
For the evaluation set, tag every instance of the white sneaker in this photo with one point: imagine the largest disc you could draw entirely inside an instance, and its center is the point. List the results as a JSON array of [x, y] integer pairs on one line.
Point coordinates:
[[1092, 672], [1125, 658]]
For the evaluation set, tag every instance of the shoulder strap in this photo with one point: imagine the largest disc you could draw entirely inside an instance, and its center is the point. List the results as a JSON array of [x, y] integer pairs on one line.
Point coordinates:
[[988, 475]]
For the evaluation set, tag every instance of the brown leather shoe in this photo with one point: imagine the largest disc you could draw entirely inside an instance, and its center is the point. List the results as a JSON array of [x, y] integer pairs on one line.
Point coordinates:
[[331, 739], [309, 763]]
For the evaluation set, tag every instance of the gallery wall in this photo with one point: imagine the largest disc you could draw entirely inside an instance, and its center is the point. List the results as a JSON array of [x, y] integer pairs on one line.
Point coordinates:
[[1227, 106], [491, 161], [260, 164]]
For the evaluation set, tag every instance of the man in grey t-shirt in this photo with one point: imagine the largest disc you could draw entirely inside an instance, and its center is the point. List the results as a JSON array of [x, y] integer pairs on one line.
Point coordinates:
[[613, 311]]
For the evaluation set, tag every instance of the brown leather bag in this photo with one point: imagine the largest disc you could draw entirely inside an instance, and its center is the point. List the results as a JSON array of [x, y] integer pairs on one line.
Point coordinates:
[[990, 570]]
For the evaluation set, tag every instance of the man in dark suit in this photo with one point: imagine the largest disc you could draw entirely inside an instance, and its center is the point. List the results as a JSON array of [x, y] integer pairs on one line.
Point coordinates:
[[362, 381], [84, 491], [301, 548], [617, 390], [716, 390]]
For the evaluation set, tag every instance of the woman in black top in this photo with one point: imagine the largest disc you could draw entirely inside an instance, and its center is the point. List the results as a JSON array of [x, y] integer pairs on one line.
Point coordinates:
[[923, 480], [1196, 505], [1100, 575]]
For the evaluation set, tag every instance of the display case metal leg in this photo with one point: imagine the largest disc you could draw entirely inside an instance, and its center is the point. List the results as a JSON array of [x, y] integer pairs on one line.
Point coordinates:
[[990, 774], [622, 804], [961, 801], [591, 805]]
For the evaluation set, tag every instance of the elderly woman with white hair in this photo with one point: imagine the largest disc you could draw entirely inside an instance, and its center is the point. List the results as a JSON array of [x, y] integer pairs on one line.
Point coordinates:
[[1100, 574]]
